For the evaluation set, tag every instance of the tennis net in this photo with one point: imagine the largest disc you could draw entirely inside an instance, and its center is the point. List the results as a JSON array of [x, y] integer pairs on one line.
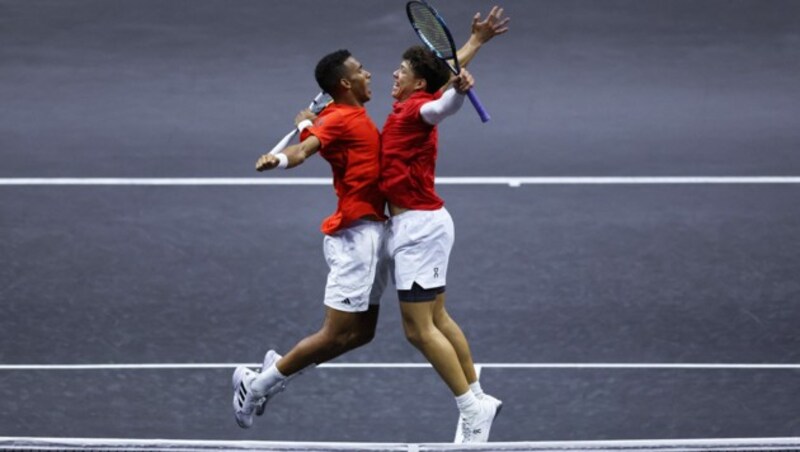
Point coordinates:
[[689, 445]]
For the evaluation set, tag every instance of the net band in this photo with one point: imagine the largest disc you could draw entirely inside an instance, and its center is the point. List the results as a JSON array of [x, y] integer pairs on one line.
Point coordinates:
[[693, 445]]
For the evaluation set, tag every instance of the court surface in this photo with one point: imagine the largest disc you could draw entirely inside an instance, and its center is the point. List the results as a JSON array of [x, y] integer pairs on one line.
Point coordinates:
[[597, 309]]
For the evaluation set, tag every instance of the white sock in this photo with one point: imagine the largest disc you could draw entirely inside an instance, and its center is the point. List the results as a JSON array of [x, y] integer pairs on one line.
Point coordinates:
[[476, 389], [468, 404], [265, 380]]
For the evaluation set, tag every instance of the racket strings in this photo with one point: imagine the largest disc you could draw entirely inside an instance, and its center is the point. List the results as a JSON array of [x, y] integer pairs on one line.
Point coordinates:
[[431, 30]]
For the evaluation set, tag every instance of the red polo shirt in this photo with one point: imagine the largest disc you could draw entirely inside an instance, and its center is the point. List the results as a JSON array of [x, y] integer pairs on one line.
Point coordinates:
[[351, 145], [408, 155]]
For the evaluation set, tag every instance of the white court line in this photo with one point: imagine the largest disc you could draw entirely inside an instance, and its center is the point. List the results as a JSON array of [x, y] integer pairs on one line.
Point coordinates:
[[643, 366], [509, 181]]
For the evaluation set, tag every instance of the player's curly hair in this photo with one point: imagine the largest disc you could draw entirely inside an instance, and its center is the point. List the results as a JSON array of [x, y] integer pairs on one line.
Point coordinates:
[[331, 69], [425, 65]]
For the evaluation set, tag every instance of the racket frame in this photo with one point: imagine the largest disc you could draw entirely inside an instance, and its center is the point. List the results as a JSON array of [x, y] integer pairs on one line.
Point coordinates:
[[455, 67], [319, 103]]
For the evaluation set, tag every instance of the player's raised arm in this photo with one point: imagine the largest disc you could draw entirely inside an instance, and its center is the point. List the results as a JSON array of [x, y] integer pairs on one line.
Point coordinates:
[[482, 32], [451, 101]]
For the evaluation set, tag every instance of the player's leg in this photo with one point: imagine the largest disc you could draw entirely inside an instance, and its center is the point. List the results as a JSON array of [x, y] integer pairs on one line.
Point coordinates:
[[352, 297], [477, 414], [421, 332], [340, 333], [420, 243], [351, 313], [455, 335]]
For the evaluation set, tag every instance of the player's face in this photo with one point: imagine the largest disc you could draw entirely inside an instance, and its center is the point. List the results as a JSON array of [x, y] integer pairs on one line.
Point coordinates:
[[359, 80], [406, 82]]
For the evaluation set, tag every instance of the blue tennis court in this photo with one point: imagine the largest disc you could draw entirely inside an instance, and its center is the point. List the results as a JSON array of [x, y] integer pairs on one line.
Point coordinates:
[[627, 226]]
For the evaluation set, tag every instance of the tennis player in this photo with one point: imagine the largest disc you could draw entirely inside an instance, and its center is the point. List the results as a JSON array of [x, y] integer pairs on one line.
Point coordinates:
[[346, 137], [421, 232]]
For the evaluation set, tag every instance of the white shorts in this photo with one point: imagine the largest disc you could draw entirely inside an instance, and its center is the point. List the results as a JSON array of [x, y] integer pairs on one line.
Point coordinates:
[[358, 266], [419, 243]]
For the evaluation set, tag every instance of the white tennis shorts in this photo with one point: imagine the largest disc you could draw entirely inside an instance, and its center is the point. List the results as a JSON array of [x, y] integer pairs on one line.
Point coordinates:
[[419, 243], [359, 269]]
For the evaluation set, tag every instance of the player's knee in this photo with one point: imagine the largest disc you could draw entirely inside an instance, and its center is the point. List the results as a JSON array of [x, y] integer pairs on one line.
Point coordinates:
[[336, 341], [416, 335], [442, 320], [348, 340], [345, 343], [363, 338]]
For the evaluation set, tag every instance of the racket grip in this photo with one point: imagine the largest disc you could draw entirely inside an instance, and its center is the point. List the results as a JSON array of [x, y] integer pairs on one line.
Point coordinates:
[[284, 142], [478, 106]]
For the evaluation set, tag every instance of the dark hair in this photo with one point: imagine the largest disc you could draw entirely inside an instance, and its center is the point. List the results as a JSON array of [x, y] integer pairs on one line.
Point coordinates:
[[331, 69], [425, 65]]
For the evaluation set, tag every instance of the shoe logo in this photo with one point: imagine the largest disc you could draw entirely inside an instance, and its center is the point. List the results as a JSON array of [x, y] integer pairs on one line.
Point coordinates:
[[242, 394], [436, 272]]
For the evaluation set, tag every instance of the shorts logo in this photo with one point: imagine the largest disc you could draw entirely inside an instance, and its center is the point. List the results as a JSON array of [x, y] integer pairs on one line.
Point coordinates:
[[436, 272], [346, 301]]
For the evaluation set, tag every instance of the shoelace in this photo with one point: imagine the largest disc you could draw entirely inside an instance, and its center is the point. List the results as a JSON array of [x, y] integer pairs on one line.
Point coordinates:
[[466, 430]]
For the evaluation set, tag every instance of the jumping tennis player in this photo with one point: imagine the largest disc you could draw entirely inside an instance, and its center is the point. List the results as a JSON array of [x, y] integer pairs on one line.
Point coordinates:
[[346, 137], [420, 232]]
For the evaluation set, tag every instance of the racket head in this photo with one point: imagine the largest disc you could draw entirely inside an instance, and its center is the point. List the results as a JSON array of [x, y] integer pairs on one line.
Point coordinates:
[[319, 103], [433, 31]]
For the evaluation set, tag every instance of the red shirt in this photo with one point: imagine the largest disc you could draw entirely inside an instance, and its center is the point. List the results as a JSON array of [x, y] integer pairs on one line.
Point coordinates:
[[351, 144], [408, 155]]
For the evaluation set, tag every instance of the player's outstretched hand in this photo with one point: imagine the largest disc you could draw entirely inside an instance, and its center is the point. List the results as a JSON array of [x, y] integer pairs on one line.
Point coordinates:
[[464, 82], [267, 162], [493, 25]]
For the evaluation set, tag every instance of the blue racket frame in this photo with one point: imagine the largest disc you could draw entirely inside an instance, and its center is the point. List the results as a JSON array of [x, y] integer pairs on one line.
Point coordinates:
[[484, 115]]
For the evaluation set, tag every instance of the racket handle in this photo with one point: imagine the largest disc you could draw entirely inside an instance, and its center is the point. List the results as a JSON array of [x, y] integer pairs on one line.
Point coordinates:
[[284, 142], [478, 106]]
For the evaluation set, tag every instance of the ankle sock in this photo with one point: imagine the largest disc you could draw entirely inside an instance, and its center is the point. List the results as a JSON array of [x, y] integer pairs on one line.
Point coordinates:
[[468, 404], [476, 389], [266, 379]]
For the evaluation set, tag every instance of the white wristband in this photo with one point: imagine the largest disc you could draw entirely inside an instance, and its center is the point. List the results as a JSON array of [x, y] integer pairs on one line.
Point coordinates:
[[283, 160], [304, 124]]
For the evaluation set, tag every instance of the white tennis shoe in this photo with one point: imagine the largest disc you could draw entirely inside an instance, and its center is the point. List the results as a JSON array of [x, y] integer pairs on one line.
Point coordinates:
[[243, 401], [475, 429], [270, 358]]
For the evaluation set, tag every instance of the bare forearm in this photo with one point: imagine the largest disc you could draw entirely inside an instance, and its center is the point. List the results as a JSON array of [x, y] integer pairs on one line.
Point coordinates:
[[293, 155], [468, 51], [296, 155]]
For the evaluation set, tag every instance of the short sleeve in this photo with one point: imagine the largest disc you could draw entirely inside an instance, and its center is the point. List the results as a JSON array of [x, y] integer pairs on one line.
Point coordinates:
[[328, 128]]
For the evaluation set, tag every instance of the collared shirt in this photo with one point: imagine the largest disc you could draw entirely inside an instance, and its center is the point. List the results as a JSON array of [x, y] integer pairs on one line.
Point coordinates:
[[408, 155], [351, 145]]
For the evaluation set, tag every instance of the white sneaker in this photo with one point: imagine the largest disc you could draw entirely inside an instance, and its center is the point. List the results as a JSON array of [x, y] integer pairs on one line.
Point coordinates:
[[475, 429], [270, 358], [243, 403], [497, 402]]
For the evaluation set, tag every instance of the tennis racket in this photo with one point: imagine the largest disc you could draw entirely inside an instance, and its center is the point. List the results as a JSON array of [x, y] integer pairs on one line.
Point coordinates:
[[433, 32], [317, 105]]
